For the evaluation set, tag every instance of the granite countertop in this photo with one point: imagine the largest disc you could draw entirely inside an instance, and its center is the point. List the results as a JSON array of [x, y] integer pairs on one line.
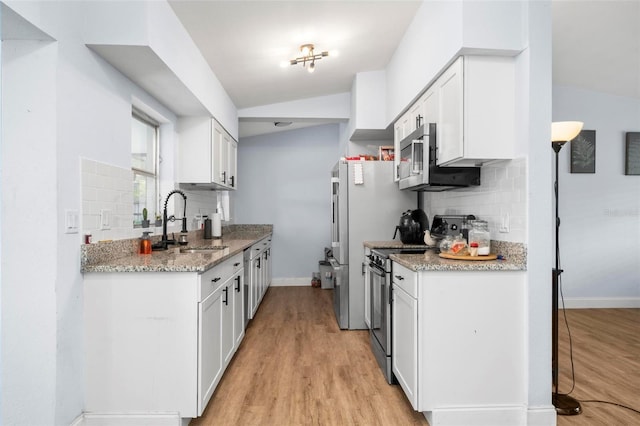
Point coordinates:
[[122, 255], [514, 258]]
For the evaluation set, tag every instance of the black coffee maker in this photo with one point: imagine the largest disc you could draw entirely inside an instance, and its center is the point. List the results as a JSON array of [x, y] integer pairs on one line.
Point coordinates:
[[412, 225]]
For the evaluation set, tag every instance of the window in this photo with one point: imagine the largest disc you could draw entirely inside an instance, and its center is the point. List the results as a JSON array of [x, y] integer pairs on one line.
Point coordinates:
[[144, 164]]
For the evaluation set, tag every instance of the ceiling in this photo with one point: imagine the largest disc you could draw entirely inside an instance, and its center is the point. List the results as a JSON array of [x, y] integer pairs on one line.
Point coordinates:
[[596, 46]]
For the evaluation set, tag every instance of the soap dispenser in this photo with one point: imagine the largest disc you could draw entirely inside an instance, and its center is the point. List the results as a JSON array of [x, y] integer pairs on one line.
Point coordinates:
[[145, 243]]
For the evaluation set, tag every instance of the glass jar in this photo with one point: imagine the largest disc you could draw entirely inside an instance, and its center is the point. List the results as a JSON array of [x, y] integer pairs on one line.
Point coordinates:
[[479, 233]]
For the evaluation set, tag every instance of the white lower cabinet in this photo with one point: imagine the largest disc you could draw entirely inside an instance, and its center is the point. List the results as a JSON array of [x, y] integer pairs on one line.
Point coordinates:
[[405, 342], [260, 273], [458, 344], [209, 351], [159, 342]]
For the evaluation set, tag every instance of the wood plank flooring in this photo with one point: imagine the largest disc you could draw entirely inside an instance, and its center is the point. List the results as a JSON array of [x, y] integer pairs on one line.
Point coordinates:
[[606, 354], [295, 367]]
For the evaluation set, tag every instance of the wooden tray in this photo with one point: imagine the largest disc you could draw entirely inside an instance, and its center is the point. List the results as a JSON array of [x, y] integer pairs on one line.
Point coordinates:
[[467, 257]]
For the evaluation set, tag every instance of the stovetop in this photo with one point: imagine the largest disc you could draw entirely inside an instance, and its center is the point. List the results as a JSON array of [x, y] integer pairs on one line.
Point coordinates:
[[386, 252]]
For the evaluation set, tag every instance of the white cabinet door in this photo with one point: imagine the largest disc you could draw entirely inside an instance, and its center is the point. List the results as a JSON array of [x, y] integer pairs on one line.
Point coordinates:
[[255, 285], [450, 125], [233, 164], [404, 346], [401, 129], [217, 152], [430, 106], [209, 351], [238, 308], [195, 149], [476, 111], [224, 159], [227, 331]]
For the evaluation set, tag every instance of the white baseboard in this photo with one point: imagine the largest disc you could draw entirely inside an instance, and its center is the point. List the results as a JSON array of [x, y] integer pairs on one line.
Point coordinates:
[[124, 419], [600, 302], [478, 416], [542, 416], [291, 282]]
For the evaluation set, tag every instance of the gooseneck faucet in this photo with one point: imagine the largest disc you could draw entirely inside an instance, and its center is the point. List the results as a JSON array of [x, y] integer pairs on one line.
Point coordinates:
[[165, 239]]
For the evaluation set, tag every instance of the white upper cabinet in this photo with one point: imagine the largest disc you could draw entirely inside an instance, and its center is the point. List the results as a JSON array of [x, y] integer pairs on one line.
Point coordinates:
[[472, 104], [207, 154], [476, 111]]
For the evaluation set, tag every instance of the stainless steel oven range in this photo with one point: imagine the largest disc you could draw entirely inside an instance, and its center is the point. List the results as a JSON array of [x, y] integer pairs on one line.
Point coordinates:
[[381, 315]]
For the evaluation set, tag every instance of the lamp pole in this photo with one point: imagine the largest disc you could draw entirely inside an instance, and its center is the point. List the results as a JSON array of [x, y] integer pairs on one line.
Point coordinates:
[[565, 404]]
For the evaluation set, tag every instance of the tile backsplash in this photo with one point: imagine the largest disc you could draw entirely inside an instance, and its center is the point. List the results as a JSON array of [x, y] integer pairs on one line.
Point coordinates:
[[501, 194], [107, 187], [110, 188]]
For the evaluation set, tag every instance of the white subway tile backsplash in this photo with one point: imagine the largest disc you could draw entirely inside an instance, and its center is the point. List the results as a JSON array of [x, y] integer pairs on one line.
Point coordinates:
[[503, 190]]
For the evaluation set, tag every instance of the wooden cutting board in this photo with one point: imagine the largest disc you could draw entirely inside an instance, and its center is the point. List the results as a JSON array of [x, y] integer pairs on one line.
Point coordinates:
[[467, 257]]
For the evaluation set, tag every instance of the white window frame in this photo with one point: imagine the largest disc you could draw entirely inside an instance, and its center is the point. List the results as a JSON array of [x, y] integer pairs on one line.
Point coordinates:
[[140, 116]]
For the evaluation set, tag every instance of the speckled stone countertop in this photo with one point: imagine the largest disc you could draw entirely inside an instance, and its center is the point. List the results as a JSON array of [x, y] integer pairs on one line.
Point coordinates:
[[514, 258], [122, 255]]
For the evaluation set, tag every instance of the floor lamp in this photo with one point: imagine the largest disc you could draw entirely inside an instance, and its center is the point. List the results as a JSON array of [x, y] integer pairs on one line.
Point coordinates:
[[561, 133]]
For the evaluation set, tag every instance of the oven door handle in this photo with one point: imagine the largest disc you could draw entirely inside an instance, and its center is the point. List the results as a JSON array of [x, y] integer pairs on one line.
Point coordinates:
[[376, 270]]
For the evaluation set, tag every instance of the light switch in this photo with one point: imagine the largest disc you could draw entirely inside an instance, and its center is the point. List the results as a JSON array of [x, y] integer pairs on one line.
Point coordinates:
[[105, 219], [505, 223], [71, 221]]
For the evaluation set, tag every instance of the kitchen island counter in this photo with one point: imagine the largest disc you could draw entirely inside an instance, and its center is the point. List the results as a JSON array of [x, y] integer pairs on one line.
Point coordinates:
[[122, 255]]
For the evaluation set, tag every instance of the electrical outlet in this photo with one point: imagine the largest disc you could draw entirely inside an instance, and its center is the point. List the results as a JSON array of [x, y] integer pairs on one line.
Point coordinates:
[[105, 219], [505, 223], [71, 221]]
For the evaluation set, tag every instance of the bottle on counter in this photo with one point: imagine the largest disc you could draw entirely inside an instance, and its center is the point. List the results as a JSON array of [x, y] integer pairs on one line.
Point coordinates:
[[479, 233], [145, 243]]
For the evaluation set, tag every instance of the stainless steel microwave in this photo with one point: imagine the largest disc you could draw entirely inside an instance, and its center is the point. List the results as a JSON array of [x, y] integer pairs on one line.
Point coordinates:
[[418, 170]]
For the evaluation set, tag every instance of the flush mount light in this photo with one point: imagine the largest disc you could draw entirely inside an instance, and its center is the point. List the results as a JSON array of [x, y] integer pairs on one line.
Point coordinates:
[[308, 56], [282, 123]]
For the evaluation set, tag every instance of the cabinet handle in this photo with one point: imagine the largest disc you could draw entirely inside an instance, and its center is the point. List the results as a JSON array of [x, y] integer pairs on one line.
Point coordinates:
[[216, 279], [258, 266], [238, 284], [226, 296], [236, 264], [233, 181], [400, 277], [224, 177]]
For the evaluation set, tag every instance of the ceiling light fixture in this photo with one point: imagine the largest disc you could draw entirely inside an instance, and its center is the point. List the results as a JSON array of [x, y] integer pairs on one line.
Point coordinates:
[[308, 56]]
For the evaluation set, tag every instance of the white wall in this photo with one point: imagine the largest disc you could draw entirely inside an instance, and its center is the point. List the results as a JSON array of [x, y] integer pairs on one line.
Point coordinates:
[[61, 103], [285, 182], [439, 32], [29, 224], [600, 212]]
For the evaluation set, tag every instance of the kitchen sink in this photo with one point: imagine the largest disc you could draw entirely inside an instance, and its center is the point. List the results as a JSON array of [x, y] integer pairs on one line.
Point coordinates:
[[208, 249]]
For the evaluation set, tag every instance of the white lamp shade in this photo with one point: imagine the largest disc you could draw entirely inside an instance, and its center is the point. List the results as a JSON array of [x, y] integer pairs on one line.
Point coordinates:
[[564, 131]]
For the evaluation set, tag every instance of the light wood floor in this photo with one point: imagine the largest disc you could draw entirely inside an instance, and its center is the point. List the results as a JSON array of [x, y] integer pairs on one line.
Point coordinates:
[[606, 354], [295, 367]]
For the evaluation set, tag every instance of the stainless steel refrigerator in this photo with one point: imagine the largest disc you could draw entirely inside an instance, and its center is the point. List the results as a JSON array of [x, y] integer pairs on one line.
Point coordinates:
[[366, 206]]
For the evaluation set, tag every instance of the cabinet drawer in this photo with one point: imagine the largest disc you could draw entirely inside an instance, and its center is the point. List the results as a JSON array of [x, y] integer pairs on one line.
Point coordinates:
[[405, 278], [213, 278], [259, 247]]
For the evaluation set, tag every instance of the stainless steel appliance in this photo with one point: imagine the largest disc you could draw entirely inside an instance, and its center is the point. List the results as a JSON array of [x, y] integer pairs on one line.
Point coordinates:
[[381, 314], [366, 204], [418, 170]]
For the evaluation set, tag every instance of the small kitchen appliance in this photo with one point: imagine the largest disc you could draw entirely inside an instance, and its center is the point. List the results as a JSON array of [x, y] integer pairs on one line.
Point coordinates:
[[452, 224], [412, 225]]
